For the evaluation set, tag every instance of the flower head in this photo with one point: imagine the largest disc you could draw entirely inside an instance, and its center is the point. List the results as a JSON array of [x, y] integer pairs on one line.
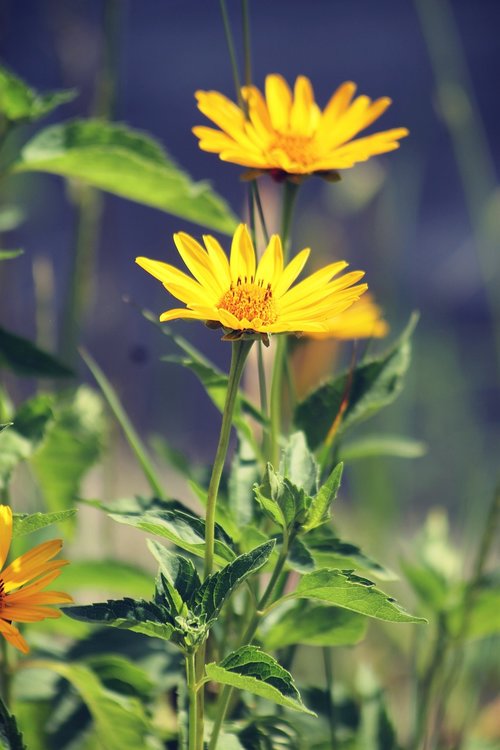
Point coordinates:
[[288, 134], [247, 297], [22, 584]]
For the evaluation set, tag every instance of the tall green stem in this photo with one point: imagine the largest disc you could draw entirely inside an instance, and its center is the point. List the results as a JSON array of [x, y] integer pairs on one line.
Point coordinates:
[[192, 698], [232, 51], [248, 635], [239, 354]]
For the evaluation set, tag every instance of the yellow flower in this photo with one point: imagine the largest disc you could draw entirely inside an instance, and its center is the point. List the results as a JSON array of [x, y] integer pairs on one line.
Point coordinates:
[[363, 320], [246, 297], [22, 583], [288, 133]]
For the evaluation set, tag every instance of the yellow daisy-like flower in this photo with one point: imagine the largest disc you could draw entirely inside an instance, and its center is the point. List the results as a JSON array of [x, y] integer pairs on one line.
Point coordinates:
[[22, 583], [249, 297], [363, 320], [287, 133]]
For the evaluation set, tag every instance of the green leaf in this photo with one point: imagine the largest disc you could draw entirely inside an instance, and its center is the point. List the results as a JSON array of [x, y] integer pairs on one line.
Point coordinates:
[[481, 616], [244, 473], [182, 528], [139, 616], [344, 589], [298, 464], [315, 625], [319, 509], [127, 163], [372, 446], [71, 447], [281, 500], [27, 523], [209, 598], [20, 102], [9, 254], [25, 434], [369, 388], [299, 557], [10, 736], [120, 721], [109, 576], [11, 217], [329, 551], [178, 570], [251, 669], [24, 358]]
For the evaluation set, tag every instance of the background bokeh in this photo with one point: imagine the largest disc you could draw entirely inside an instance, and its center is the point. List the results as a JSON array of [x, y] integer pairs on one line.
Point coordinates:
[[423, 221]]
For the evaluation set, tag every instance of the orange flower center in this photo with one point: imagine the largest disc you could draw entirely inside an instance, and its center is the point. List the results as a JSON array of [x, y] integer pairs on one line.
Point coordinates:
[[250, 300], [298, 148]]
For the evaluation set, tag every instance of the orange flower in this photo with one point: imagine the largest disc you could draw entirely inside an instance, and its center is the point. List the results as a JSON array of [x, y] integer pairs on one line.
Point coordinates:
[[22, 583]]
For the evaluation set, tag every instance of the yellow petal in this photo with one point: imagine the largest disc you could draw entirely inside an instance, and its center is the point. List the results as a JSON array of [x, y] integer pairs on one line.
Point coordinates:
[[219, 260], [311, 284], [301, 114], [27, 566], [13, 636], [5, 532], [242, 260], [291, 271], [198, 262], [182, 312], [270, 266], [279, 101]]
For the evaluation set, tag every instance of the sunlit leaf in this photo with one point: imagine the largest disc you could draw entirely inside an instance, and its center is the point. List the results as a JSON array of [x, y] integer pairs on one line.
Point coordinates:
[[27, 523], [127, 163], [319, 509], [372, 446], [18, 101], [344, 589], [251, 669]]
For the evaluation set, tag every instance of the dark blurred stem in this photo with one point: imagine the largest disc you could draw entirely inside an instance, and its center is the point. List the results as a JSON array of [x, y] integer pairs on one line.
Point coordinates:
[[427, 683], [232, 51], [328, 664], [247, 49], [5, 674], [88, 201], [289, 198], [191, 689], [260, 210], [459, 110]]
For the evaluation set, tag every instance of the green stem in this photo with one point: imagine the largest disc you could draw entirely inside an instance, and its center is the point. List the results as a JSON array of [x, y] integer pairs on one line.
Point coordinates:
[[247, 638], [239, 353], [260, 210], [327, 662], [232, 51], [5, 674], [192, 700], [247, 49], [289, 198]]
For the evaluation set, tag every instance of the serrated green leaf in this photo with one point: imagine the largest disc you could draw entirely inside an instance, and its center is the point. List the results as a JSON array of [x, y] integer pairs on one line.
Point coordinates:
[[344, 589], [71, 447], [298, 464], [329, 551], [27, 523], [139, 616], [25, 434], [185, 530], [18, 101], [127, 163], [370, 446], [251, 669], [209, 598], [10, 736], [178, 570], [299, 557], [9, 254], [372, 386], [24, 358], [315, 625], [319, 509], [280, 499], [119, 720]]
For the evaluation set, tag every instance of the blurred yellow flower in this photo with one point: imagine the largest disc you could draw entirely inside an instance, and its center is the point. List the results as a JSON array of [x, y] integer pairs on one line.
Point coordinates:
[[287, 133], [363, 320], [22, 583], [246, 297]]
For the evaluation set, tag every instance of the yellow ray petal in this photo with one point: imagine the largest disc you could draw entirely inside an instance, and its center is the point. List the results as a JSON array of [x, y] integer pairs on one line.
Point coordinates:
[[5, 532], [242, 260], [198, 262], [13, 636], [291, 271], [20, 613], [182, 312], [270, 266], [312, 283], [301, 119], [219, 260], [23, 568], [279, 101]]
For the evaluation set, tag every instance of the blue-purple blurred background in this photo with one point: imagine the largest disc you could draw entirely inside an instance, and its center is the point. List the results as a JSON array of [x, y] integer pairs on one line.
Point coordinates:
[[423, 221]]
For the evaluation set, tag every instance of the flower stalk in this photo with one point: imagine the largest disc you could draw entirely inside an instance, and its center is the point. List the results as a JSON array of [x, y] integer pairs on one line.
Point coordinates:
[[192, 701]]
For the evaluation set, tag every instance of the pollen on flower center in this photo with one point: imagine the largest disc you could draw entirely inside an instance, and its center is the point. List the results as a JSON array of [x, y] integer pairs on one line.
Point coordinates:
[[299, 149], [250, 300]]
